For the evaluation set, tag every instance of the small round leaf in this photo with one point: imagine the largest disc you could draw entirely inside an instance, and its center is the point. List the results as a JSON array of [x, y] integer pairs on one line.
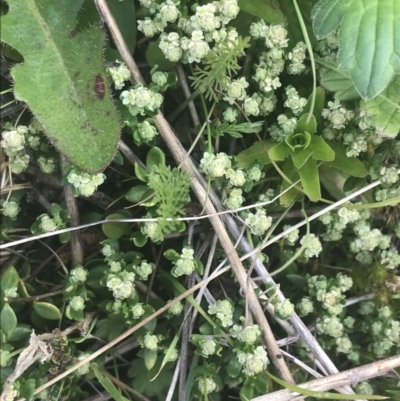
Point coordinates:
[[8, 320]]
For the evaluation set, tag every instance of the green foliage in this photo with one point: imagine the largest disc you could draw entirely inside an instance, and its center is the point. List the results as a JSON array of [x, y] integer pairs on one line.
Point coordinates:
[[386, 109], [266, 10], [219, 63], [69, 95], [368, 41], [47, 310], [115, 230], [9, 280], [8, 320]]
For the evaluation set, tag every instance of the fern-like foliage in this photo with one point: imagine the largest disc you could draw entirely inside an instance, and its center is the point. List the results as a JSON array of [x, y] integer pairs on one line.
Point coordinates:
[[235, 130], [171, 189], [220, 62]]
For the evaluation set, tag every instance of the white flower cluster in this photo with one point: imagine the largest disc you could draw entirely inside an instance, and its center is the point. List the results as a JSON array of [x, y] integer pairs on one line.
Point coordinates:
[[13, 144], [248, 335], [313, 246], [78, 274], [152, 230], [206, 386], [208, 347], [389, 175], [292, 237], [253, 363], [294, 101], [223, 311], [215, 166], [336, 222], [84, 184], [48, 224], [267, 71], [259, 222], [47, 164], [234, 200], [185, 265], [235, 89], [144, 270], [140, 100], [121, 283], [288, 125], [283, 310], [380, 326], [119, 73], [151, 342], [10, 208], [77, 303], [297, 57], [337, 115]]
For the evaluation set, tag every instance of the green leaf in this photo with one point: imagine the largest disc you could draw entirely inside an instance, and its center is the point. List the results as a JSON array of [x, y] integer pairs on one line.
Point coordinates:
[[350, 165], [319, 104], [115, 230], [310, 179], [155, 157], [300, 156], [21, 331], [62, 79], [108, 385], [155, 56], [323, 394], [321, 150], [246, 392], [368, 39], [141, 173], [150, 358], [265, 9], [47, 311], [386, 109], [339, 83], [280, 151], [8, 320], [287, 198], [257, 151], [309, 126], [9, 280]]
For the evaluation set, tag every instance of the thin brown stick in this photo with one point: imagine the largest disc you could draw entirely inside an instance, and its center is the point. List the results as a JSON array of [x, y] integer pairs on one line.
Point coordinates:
[[181, 158], [35, 298], [348, 377], [72, 208]]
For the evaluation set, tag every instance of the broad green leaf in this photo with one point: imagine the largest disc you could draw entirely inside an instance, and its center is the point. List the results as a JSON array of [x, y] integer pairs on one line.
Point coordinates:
[[265, 9], [155, 158], [115, 230], [62, 79], [108, 385], [321, 150], [339, 83], [8, 320], [368, 39], [300, 156], [323, 394], [319, 104], [257, 151], [307, 123], [350, 165], [47, 310], [150, 358], [386, 109], [9, 280], [287, 198], [21, 331], [280, 151], [310, 179]]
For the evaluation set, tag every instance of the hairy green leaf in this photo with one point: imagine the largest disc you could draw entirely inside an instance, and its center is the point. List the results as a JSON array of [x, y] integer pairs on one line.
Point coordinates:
[[339, 83], [321, 150], [62, 79], [386, 109], [369, 45]]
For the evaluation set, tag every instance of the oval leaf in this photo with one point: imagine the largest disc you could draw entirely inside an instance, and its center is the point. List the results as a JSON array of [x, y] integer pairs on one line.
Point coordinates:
[[47, 311], [115, 230], [368, 39], [9, 280], [265, 9], [150, 358], [8, 320], [69, 95], [307, 123]]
